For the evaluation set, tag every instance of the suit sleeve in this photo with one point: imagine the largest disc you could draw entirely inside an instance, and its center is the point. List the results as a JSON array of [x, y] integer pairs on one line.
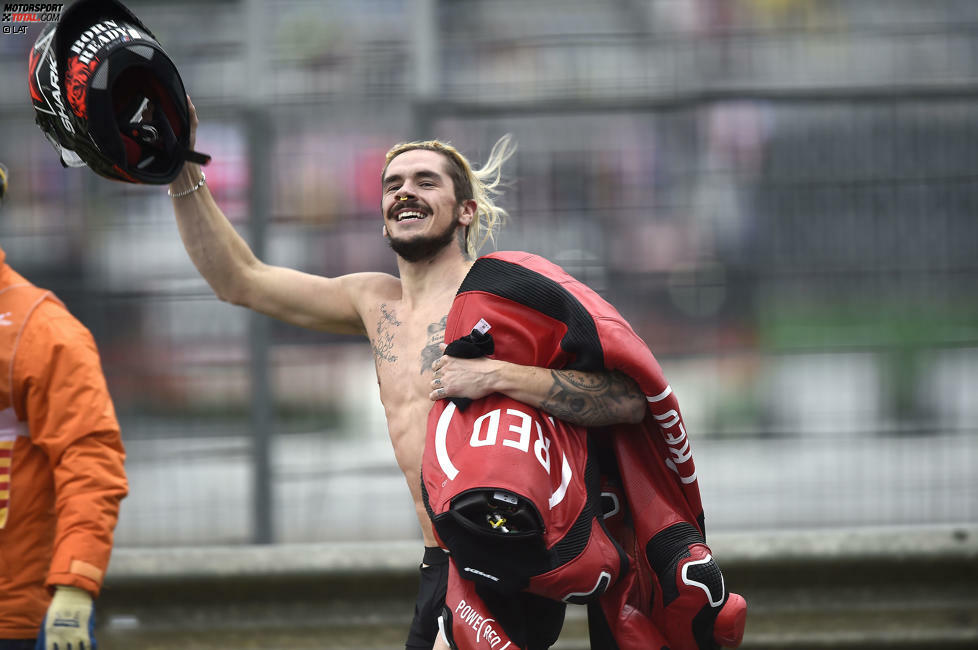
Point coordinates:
[[63, 394], [625, 351]]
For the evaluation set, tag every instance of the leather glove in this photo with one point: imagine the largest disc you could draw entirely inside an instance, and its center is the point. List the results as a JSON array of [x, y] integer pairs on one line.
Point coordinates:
[[70, 621]]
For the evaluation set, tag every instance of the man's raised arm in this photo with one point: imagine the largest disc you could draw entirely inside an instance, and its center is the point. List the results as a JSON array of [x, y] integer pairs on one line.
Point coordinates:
[[230, 267]]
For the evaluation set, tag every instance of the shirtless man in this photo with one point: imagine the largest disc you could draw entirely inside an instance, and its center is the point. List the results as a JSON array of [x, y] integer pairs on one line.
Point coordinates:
[[436, 212]]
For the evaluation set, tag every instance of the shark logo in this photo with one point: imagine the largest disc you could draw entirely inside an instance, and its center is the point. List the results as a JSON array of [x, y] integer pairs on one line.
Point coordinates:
[[42, 62]]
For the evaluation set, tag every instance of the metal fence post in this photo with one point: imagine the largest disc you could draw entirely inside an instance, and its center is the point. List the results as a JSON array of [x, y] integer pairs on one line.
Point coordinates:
[[262, 416], [425, 66]]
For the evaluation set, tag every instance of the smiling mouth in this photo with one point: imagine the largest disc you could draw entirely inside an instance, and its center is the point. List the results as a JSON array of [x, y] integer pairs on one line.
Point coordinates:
[[410, 215]]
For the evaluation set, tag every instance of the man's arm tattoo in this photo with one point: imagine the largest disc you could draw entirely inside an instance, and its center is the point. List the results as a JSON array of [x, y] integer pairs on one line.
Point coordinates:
[[593, 399]]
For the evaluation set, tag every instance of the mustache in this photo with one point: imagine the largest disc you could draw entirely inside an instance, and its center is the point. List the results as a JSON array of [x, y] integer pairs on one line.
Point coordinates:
[[413, 204]]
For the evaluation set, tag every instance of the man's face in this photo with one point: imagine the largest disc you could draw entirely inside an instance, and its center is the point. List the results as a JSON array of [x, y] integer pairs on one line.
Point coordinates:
[[419, 207]]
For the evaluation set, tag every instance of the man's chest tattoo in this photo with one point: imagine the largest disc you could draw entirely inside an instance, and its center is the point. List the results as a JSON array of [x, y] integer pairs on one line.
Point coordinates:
[[383, 342], [431, 351]]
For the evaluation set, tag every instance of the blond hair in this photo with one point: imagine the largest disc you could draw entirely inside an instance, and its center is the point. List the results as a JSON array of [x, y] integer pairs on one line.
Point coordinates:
[[481, 185]]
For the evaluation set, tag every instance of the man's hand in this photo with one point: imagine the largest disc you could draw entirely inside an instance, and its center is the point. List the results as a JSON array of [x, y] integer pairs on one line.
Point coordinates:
[[193, 122], [457, 377], [69, 623], [190, 174]]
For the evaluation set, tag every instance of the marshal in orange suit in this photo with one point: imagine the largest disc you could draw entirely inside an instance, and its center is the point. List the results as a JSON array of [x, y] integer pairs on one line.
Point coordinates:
[[61, 469]]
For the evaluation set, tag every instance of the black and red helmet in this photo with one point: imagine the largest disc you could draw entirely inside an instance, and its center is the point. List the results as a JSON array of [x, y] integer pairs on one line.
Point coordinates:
[[106, 95]]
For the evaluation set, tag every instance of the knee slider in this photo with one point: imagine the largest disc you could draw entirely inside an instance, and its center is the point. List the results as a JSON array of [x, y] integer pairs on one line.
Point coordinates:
[[495, 537], [497, 513]]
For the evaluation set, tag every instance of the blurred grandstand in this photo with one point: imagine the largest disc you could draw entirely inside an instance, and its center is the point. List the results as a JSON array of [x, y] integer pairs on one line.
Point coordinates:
[[780, 195]]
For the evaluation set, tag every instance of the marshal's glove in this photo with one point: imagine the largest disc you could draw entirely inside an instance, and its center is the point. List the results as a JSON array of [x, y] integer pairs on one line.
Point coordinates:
[[70, 621]]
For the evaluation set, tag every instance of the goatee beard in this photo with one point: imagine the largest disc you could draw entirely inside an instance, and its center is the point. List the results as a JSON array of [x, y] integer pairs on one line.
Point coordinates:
[[423, 247]]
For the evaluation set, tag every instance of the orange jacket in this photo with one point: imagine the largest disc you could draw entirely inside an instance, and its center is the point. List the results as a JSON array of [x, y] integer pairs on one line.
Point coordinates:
[[61, 456]]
